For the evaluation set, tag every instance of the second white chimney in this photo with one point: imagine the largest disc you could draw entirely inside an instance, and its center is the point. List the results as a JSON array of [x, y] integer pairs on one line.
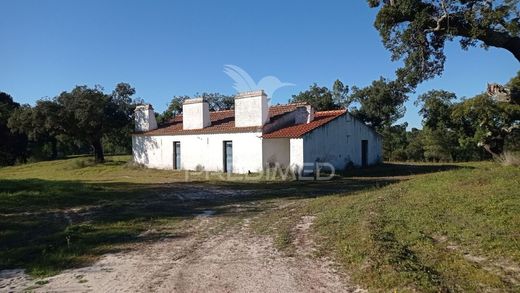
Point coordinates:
[[251, 109], [145, 118], [195, 114]]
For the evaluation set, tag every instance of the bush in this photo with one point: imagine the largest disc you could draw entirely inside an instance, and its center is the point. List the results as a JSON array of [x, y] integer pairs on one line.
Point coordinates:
[[509, 158], [399, 155]]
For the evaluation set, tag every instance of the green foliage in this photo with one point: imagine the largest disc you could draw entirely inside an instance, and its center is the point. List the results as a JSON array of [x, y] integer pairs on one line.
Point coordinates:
[[415, 147], [82, 117], [12, 146], [487, 122], [216, 102], [381, 103], [340, 94], [439, 144], [466, 130], [394, 142], [41, 123], [436, 108], [89, 115], [514, 87], [417, 30], [118, 140], [323, 99]]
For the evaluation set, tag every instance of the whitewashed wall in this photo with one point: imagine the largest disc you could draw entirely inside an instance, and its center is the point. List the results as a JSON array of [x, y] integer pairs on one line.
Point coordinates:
[[200, 152], [276, 150], [339, 142], [296, 148]]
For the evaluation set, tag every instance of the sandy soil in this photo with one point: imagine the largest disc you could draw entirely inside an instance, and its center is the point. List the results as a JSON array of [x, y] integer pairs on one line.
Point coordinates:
[[209, 257]]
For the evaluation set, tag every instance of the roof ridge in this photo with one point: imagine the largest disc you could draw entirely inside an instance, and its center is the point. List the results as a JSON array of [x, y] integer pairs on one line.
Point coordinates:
[[333, 111]]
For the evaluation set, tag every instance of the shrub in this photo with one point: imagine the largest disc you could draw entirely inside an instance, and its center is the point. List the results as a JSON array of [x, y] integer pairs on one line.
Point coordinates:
[[509, 158]]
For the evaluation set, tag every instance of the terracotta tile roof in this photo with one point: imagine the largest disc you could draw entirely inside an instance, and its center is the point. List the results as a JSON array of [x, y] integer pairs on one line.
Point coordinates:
[[224, 122], [221, 122], [298, 130]]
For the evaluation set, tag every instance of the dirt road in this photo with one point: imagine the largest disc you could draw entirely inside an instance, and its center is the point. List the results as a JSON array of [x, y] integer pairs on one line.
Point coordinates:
[[210, 255]]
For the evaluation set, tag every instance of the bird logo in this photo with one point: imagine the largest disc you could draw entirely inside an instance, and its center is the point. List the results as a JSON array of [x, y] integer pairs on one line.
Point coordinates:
[[244, 82]]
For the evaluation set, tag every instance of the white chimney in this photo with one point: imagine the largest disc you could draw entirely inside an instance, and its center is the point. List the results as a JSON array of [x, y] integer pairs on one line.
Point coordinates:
[[145, 118], [195, 114], [251, 109], [310, 111]]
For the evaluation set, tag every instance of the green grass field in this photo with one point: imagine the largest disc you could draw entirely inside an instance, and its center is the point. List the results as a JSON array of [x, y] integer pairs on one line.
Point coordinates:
[[423, 227], [456, 230]]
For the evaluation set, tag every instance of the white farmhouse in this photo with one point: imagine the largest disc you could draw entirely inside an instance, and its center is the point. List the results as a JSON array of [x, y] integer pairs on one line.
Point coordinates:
[[253, 137]]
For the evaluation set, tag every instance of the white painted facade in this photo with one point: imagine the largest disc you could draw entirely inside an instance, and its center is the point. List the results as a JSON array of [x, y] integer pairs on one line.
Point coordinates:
[[276, 151], [200, 152], [337, 142]]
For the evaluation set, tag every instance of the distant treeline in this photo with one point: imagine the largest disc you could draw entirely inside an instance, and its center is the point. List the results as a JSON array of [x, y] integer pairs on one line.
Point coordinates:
[[88, 120], [82, 121]]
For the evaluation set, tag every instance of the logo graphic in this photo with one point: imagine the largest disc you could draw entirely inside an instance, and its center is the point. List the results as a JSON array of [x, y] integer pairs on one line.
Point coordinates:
[[244, 82]]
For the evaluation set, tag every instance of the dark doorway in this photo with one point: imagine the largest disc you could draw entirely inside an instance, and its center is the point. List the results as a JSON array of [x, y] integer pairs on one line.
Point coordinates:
[[176, 155], [228, 156], [364, 153]]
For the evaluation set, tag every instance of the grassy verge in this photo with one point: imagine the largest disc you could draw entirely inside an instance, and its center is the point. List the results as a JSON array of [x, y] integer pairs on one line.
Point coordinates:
[[457, 230]]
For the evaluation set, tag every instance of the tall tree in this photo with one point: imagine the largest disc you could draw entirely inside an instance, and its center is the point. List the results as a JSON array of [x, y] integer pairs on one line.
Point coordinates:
[[415, 147], [340, 94], [487, 122], [514, 88], [218, 101], [84, 116], [41, 123], [88, 114], [381, 103], [395, 142], [322, 99], [417, 30], [12, 145], [436, 107], [118, 139]]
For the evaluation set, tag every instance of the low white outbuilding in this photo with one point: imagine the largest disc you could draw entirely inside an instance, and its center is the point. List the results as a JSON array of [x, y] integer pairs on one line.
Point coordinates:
[[253, 137]]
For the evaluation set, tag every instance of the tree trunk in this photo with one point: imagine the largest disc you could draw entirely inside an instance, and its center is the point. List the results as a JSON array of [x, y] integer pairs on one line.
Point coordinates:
[[495, 147], [99, 156], [488, 149]]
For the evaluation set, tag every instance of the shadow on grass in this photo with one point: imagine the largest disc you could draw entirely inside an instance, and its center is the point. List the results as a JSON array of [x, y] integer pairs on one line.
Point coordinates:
[[47, 226]]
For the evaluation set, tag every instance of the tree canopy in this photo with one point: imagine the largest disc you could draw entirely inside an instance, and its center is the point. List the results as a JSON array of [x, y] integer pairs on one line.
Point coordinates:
[[322, 98], [13, 146], [380, 104], [40, 123], [85, 115], [216, 102], [417, 31]]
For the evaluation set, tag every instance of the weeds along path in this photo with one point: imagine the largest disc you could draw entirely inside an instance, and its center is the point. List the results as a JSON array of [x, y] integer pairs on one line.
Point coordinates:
[[209, 253]]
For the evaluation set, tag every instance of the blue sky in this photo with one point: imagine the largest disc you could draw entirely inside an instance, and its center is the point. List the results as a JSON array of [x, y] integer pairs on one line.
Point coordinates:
[[167, 48]]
